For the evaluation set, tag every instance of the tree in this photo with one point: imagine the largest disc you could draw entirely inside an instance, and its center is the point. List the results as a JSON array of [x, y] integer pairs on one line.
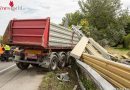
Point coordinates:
[[127, 41], [76, 18], [1, 38], [127, 28], [72, 19], [107, 17]]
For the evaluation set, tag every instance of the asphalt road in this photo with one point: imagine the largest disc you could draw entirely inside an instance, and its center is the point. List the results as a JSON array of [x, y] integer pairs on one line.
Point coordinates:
[[15, 79], [4, 65]]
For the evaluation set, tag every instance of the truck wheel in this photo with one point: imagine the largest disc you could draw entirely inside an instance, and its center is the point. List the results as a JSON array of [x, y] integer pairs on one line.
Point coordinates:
[[53, 62], [22, 66], [62, 60]]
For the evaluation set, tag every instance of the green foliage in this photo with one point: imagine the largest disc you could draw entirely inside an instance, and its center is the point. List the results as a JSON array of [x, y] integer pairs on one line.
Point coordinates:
[[72, 19], [106, 18], [85, 26], [99, 12], [127, 28], [50, 81], [1, 38], [76, 18], [88, 83], [115, 36], [127, 41], [103, 20]]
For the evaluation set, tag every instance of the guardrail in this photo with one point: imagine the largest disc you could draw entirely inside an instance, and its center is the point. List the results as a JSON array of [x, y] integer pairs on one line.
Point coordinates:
[[116, 73]]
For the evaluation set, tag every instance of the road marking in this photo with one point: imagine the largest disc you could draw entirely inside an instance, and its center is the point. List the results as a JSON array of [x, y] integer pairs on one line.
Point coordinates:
[[7, 68]]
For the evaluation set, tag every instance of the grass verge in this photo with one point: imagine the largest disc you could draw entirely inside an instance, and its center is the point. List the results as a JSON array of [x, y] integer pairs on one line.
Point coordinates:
[[119, 51], [50, 81]]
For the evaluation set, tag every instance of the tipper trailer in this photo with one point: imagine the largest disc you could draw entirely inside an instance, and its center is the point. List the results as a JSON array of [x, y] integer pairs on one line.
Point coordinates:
[[40, 43]]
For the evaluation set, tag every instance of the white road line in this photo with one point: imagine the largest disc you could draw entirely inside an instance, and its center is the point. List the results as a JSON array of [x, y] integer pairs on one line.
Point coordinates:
[[7, 68]]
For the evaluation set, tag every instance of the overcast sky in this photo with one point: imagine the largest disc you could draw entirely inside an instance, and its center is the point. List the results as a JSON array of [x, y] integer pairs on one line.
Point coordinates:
[[56, 9]]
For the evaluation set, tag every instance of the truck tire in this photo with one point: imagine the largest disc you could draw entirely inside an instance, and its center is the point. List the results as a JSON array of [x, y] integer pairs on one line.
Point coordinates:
[[62, 59], [53, 62], [22, 66]]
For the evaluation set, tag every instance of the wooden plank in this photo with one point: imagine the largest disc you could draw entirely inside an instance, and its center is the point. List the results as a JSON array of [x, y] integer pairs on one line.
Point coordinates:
[[116, 64], [100, 49], [92, 50], [79, 48], [99, 81], [115, 83], [112, 75], [115, 72]]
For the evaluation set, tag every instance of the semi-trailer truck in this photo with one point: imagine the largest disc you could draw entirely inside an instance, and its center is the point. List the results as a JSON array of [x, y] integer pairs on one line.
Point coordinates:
[[40, 43]]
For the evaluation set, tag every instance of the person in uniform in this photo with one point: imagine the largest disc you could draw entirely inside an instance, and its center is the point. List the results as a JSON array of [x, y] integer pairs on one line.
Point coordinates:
[[6, 53], [1, 52]]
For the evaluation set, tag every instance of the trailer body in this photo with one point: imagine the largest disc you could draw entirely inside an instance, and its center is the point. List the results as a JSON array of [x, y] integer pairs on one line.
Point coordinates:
[[39, 38], [41, 33]]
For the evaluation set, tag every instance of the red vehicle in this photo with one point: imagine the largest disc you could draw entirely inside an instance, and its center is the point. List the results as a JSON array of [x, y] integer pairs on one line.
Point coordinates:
[[40, 42]]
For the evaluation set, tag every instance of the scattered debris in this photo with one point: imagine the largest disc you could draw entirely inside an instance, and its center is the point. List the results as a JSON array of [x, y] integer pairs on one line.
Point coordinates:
[[69, 66], [125, 56], [75, 87], [125, 61], [50, 81], [128, 54], [63, 77]]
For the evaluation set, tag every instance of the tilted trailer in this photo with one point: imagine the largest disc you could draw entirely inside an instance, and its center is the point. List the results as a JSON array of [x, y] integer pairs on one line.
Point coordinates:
[[40, 42]]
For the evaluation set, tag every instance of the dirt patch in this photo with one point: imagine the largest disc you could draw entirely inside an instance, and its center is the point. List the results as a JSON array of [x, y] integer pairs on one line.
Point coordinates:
[[50, 81], [120, 54], [119, 51]]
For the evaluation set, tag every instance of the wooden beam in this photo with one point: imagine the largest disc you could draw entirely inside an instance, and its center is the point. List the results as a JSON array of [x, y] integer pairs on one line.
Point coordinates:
[[117, 73], [79, 48], [100, 49], [99, 81]]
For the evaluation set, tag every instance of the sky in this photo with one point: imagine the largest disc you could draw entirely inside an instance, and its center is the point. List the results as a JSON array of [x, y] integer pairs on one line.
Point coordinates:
[[55, 9]]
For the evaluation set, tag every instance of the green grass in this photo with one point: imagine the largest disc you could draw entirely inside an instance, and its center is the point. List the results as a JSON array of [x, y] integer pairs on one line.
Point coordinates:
[[50, 81], [87, 82], [122, 49], [119, 51]]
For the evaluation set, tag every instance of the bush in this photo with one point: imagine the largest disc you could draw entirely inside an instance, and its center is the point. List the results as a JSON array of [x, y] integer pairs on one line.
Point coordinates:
[[127, 41], [108, 36]]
